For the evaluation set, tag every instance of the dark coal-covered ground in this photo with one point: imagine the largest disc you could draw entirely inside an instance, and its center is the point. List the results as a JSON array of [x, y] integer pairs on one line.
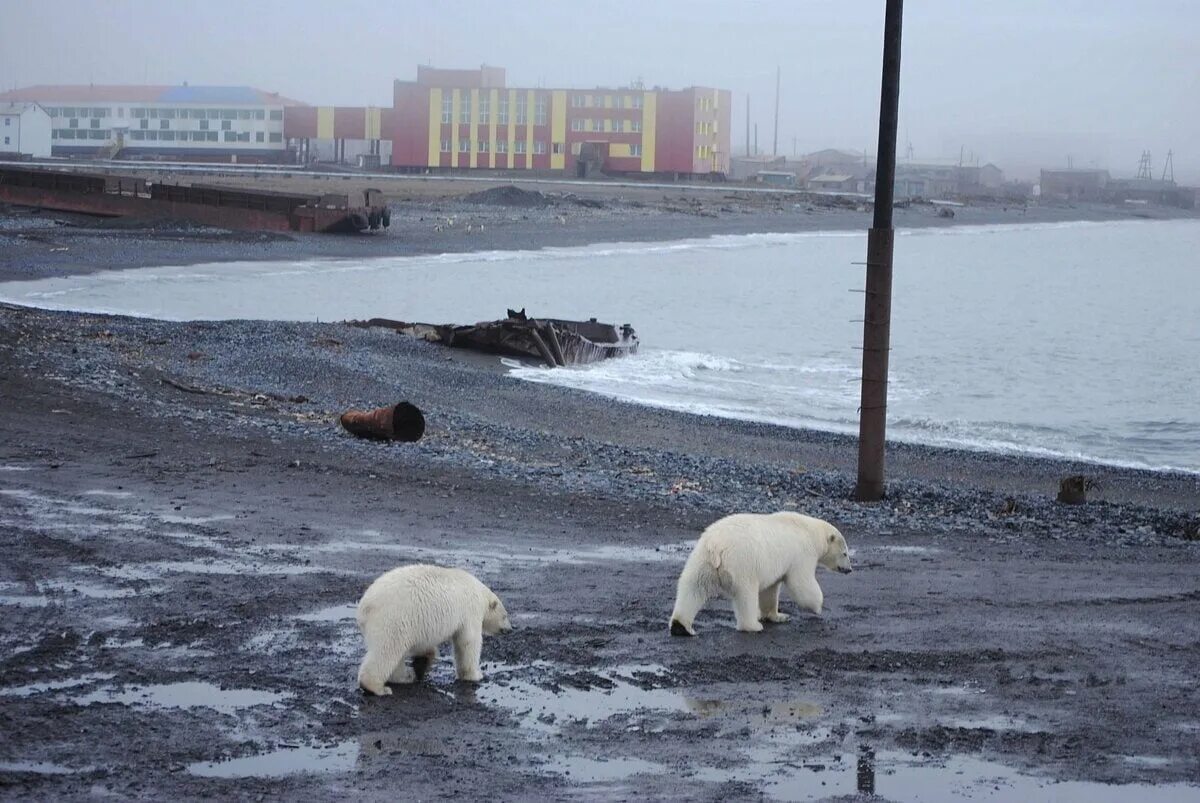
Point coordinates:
[[186, 529]]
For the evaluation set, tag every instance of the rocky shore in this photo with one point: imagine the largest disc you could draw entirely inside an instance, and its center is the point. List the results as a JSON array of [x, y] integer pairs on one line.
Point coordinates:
[[187, 529]]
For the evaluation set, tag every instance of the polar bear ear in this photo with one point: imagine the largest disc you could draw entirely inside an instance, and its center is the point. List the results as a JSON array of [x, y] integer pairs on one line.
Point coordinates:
[[832, 538], [492, 605]]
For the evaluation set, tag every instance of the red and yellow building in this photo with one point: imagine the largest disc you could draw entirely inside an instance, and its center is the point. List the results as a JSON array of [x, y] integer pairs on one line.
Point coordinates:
[[469, 119]]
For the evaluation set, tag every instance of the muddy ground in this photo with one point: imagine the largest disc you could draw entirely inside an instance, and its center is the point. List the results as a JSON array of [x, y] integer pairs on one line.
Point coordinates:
[[186, 529]]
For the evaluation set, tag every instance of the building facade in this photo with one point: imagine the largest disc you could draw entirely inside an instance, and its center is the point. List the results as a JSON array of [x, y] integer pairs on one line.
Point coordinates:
[[469, 119], [167, 122], [24, 129]]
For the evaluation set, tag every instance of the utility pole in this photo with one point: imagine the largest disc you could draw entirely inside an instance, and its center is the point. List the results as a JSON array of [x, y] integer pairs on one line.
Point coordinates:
[[877, 317], [775, 145], [756, 139]]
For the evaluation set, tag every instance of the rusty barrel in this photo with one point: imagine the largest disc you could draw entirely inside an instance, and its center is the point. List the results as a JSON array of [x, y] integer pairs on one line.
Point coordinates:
[[398, 422]]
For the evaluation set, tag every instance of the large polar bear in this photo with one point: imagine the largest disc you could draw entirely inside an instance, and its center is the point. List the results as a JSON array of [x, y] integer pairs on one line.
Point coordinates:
[[747, 556], [409, 611]]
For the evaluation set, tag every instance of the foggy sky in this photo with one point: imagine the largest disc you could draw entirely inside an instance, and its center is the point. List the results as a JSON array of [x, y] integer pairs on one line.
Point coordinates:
[[1013, 82]]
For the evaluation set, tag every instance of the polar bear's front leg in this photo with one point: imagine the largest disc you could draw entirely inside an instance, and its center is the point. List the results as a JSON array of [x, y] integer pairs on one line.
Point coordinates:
[[402, 674], [375, 670], [468, 646], [768, 605], [806, 592]]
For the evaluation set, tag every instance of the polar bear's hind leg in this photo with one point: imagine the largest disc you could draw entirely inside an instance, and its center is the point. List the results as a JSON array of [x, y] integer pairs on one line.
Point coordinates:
[[768, 604]]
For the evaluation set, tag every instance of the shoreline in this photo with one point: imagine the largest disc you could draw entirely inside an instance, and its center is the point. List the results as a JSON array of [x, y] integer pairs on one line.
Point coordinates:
[[43, 244], [182, 513]]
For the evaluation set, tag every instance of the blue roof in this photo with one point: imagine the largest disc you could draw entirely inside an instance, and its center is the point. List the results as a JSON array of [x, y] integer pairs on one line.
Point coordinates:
[[212, 94]]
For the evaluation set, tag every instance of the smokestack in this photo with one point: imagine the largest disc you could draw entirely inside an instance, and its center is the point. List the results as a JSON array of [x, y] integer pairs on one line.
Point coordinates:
[[775, 144], [747, 125]]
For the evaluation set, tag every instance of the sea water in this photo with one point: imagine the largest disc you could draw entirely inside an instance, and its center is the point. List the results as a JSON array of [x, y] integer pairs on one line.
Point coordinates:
[[1079, 340]]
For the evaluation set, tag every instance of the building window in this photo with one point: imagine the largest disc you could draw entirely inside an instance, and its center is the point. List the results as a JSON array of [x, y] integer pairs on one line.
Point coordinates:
[[52, 111], [522, 110], [447, 109], [67, 111], [576, 147], [539, 147], [482, 146], [229, 136], [144, 123], [276, 114], [557, 148], [445, 146], [275, 136], [169, 136], [464, 146], [636, 126], [539, 111], [637, 101], [519, 146], [204, 125], [502, 146], [228, 114], [6, 141], [464, 110], [139, 135], [164, 123], [244, 136], [95, 123], [226, 125], [259, 136], [73, 123], [502, 115], [485, 110], [576, 101], [244, 114], [260, 114], [635, 150], [7, 121], [577, 124]]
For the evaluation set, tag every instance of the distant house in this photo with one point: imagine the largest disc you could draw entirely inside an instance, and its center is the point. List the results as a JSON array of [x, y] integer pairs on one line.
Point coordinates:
[[834, 182], [776, 178], [1075, 184], [746, 168], [24, 129]]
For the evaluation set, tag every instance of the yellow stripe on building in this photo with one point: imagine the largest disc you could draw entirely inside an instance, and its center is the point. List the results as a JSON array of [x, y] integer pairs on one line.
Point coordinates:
[[558, 128], [511, 134], [493, 112], [435, 127], [649, 119], [473, 130], [455, 100], [529, 113], [324, 122], [372, 123]]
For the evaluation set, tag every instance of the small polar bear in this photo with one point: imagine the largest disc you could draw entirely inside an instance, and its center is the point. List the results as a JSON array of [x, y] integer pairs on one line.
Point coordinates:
[[746, 557], [409, 611]]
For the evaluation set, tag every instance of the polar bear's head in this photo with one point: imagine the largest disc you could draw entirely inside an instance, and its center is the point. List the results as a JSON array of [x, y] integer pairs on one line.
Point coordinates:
[[495, 618], [837, 554]]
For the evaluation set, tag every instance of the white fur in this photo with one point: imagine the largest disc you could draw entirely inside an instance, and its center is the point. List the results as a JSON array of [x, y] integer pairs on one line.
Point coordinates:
[[409, 611], [746, 557]]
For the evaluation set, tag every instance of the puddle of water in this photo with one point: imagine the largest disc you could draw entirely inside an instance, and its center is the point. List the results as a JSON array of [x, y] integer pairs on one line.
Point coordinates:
[[964, 689], [40, 768], [30, 689], [84, 510], [765, 712], [24, 601], [486, 557], [85, 589], [1149, 761], [114, 494], [174, 518], [902, 777], [594, 770], [340, 757], [15, 468], [160, 569], [901, 549], [335, 613], [995, 722], [187, 694]]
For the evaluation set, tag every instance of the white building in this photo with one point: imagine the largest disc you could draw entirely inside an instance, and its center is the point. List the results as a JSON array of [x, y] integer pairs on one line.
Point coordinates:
[[210, 123], [24, 129]]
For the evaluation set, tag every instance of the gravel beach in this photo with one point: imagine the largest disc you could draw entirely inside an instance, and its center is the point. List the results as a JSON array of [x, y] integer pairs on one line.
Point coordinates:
[[186, 530]]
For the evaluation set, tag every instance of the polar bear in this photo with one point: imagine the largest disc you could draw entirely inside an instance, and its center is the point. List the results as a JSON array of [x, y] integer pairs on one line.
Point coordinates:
[[409, 611], [747, 556]]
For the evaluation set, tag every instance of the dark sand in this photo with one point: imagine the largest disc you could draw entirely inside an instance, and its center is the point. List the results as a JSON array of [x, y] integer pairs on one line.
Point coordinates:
[[180, 558]]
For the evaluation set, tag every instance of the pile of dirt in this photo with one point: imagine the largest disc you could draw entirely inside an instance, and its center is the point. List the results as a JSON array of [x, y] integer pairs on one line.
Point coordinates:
[[508, 196]]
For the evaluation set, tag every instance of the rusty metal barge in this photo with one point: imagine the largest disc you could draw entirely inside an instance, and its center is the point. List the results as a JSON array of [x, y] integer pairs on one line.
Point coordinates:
[[554, 341], [224, 207]]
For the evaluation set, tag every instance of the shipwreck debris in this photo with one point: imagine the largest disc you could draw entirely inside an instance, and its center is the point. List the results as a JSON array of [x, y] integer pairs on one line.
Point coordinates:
[[1073, 490], [398, 422], [554, 341]]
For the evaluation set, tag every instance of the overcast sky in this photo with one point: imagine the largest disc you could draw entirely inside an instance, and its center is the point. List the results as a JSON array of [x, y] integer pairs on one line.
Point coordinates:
[[1012, 81]]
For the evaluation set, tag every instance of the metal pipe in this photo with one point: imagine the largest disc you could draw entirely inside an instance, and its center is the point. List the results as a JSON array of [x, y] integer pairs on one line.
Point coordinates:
[[872, 419]]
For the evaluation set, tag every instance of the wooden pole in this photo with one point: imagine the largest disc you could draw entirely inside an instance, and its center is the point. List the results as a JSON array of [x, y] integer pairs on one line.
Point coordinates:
[[872, 419]]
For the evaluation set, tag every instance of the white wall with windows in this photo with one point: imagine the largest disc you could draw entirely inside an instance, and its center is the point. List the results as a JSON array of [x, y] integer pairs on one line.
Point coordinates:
[[24, 129], [168, 126]]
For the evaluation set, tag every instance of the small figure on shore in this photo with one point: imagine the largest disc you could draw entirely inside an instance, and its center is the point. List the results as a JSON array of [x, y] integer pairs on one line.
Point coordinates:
[[746, 557], [409, 611]]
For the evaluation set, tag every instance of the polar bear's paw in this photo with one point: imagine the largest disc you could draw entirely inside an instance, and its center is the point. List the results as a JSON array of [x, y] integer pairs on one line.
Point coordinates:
[[777, 617], [680, 629]]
